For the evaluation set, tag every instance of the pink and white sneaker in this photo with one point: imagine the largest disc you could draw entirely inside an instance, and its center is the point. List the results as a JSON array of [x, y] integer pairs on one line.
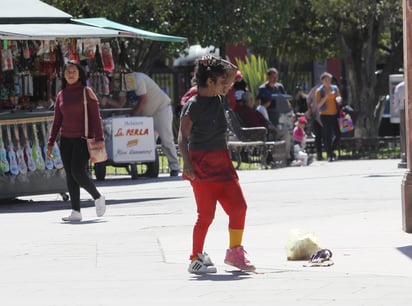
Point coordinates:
[[236, 257]]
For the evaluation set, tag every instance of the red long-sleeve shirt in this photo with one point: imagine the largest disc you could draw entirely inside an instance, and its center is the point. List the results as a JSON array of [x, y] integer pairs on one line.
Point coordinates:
[[69, 114], [250, 116]]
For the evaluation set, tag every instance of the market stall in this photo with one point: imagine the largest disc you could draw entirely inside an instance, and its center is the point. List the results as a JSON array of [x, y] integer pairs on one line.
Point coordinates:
[[35, 41]]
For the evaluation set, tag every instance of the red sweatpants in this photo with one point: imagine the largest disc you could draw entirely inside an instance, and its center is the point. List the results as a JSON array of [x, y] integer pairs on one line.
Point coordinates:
[[229, 194]]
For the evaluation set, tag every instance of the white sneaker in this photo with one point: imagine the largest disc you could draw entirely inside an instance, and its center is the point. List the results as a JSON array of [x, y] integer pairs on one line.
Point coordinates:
[[74, 216], [100, 204], [202, 265]]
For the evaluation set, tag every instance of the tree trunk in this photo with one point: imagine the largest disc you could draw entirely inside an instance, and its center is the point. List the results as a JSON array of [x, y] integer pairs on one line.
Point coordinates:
[[359, 57]]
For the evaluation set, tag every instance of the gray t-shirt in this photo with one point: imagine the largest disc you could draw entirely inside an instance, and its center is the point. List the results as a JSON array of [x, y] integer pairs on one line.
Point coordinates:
[[209, 123]]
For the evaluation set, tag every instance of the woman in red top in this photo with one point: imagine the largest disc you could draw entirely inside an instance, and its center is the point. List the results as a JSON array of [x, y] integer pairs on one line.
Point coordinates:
[[69, 122], [207, 164]]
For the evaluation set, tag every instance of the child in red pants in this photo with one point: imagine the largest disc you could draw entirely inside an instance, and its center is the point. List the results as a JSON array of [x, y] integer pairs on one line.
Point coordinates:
[[208, 166]]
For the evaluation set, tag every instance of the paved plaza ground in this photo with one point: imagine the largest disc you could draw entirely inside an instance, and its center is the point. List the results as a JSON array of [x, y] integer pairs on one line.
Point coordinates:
[[137, 254]]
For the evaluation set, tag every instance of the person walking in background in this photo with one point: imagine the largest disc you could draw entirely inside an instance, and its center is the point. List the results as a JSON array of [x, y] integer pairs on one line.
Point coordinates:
[[153, 102], [283, 120], [69, 122], [300, 105], [313, 115], [271, 86], [208, 166], [328, 100]]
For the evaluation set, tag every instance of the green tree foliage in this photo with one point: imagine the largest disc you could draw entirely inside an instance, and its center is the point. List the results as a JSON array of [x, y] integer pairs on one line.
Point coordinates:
[[222, 23], [254, 72], [367, 32], [366, 35]]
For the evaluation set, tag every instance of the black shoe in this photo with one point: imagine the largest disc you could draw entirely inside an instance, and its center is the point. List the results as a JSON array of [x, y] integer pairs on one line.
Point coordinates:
[[174, 173]]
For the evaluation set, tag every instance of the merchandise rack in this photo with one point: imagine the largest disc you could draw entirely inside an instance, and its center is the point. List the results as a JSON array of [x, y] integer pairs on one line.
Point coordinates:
[[39, 181]]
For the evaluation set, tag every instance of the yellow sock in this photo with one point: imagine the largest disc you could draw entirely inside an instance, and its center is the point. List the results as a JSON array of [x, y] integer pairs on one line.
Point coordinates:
[[235, 237]]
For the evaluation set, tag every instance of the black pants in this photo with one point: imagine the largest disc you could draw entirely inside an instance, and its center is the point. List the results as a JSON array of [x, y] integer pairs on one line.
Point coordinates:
[[317, 131], [75, 157], [331, 133]]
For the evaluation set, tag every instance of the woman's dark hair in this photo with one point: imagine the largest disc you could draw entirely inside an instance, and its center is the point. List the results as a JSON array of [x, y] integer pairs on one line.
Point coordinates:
[[209, 67], [82, 73]]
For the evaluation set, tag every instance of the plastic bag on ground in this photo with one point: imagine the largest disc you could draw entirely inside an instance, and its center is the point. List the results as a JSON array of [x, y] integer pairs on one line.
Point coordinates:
[[301, 244]]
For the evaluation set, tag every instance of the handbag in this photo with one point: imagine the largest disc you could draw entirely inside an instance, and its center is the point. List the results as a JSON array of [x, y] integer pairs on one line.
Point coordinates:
[[97, 149], [345, 122]]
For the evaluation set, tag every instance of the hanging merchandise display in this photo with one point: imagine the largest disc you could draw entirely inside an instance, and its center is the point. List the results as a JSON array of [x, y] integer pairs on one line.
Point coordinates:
[[55, 80], [98, 77], [6, 60], [107, 57], [11, 154], [36, 150], [118, 82]]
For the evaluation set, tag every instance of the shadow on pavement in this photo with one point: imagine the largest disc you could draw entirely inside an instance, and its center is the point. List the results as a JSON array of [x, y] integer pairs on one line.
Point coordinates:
[[221, 277], [27, 206], [406, 250], [94, 221], [126, 181]]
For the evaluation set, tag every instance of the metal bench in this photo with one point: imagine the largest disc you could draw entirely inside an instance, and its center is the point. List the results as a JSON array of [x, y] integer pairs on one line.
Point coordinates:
[[246, 142]]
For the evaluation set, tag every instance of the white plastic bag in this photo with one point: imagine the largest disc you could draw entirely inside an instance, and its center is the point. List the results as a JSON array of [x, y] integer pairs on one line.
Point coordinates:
[[301, 244], [300, 155], [303, 157]]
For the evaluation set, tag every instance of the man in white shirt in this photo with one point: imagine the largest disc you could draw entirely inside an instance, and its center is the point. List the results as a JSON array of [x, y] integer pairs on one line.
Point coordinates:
[[153, 102]]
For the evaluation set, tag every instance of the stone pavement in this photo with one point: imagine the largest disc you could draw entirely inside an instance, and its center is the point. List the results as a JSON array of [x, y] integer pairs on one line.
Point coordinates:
[[137, 254]]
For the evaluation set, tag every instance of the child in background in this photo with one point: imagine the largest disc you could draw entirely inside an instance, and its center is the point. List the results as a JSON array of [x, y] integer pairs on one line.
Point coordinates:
[[299, 137], [299, 132]]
